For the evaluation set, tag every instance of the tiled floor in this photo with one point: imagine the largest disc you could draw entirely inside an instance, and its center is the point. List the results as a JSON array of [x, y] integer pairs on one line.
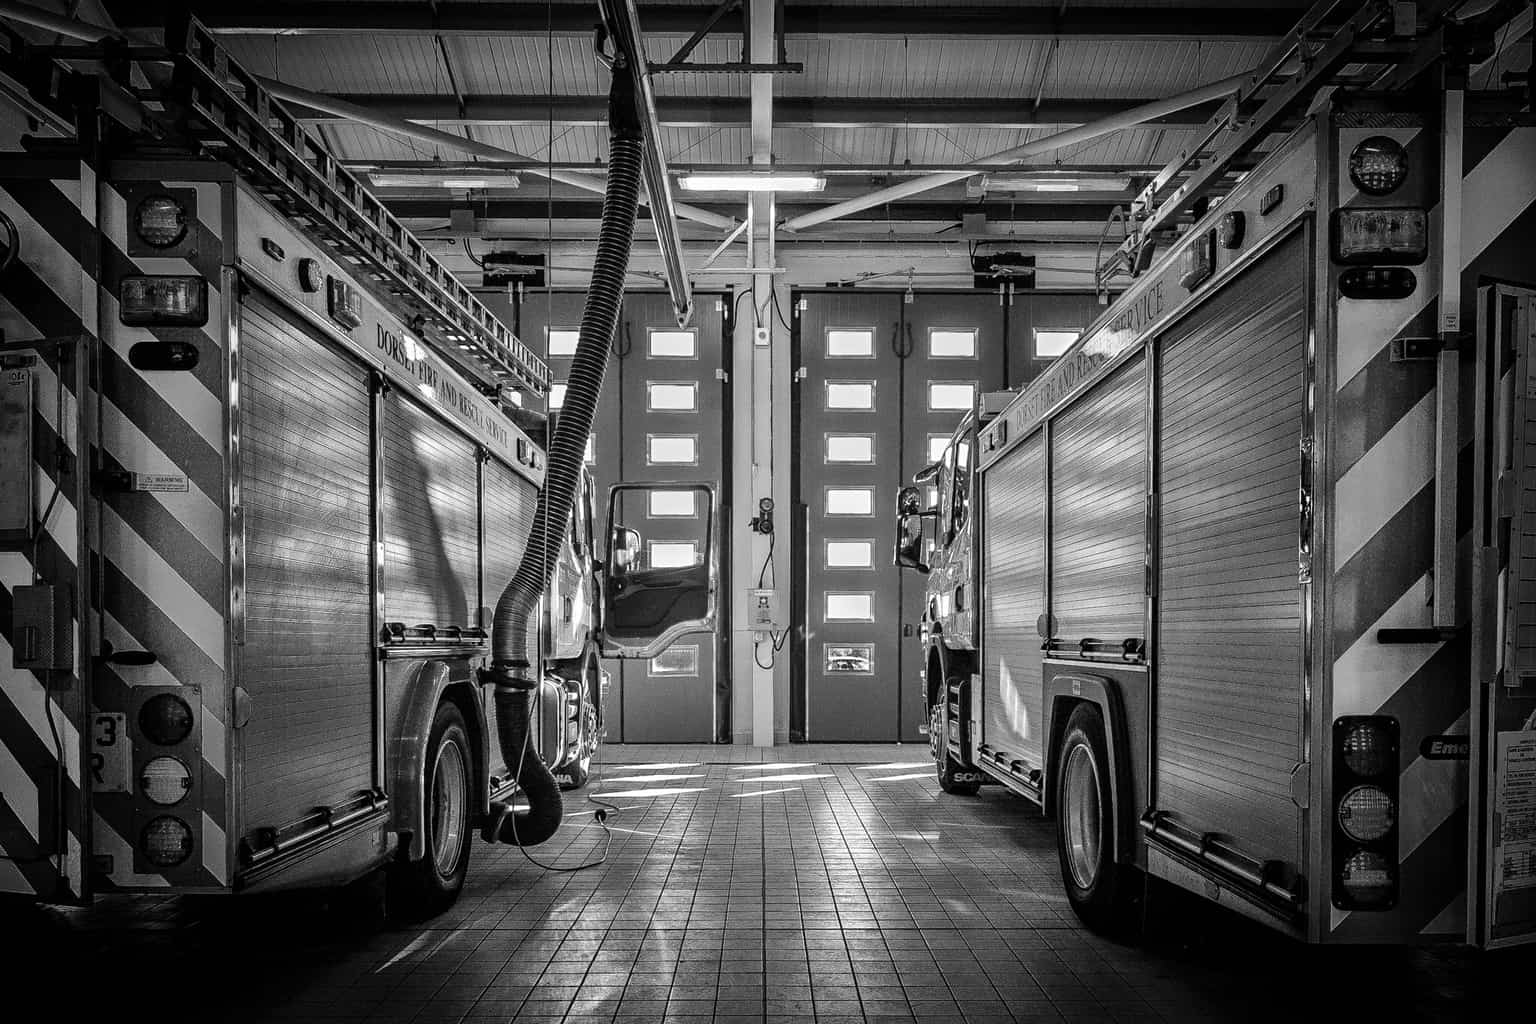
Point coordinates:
[[814, 883]]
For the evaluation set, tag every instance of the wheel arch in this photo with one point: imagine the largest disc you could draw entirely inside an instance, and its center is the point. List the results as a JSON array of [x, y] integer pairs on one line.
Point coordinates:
[[1063, 694], [942, 663], [430, 684]]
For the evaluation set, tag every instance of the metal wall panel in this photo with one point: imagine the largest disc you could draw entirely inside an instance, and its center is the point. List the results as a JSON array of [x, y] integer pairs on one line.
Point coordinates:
[[1228, 712], [1098, 512], [431, 519], [1013, 571], [306, 470]]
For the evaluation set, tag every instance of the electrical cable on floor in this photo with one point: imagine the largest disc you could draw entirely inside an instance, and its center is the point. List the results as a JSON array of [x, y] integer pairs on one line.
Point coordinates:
[[600, 816]]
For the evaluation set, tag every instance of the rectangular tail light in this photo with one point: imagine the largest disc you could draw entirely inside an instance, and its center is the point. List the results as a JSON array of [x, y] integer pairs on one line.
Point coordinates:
[[163, 300]]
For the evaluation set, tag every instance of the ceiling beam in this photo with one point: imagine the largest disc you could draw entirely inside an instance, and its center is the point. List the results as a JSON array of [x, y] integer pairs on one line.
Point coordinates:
[[790, 112], [508, 18], [580, 209]]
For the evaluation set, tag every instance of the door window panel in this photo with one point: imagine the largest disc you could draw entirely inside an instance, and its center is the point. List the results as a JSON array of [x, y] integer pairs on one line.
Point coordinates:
[[952, 343], [1051, 343], [590, 457], [562, 341], [851, 342], [851, 394], [850, 501], [672, 449], [851, 448], [671, 505], [556, 396], [672, 397], [936, 443], [667, 554], [850, 554], [672, 344], [846, 659], [677, 660], [951, 395], [845, 607]]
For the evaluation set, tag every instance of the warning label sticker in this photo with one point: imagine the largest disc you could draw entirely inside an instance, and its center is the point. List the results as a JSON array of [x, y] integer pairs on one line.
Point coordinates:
[[1514, 856]]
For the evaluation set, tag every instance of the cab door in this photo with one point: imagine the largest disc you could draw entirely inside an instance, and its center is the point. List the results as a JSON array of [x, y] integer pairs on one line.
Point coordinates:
[[654, 592], [1502, 860]]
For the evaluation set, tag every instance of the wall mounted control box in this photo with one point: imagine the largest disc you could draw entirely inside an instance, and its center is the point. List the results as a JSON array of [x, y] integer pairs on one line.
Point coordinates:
[[763, 611]]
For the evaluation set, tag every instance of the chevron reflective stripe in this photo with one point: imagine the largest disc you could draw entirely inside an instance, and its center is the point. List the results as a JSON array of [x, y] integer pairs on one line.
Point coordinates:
[[1384, 416], [164, 583], [42, 806]]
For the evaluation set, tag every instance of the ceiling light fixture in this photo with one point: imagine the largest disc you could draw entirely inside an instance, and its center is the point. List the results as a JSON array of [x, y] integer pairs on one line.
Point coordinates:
[[455, 182], [1053, 183], [752, 181]]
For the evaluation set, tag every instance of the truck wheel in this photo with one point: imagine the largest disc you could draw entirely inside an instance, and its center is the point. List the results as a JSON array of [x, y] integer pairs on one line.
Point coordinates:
[[428, 886], [954, 778], [576, 774], [1099, 889]]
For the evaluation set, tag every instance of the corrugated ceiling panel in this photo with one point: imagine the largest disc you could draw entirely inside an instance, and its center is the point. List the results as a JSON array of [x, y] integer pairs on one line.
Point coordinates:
[[1104, 69], [345, 63]]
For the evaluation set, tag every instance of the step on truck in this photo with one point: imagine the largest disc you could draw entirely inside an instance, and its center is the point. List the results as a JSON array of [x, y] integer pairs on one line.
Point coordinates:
[[1239, 590], [259, 490]]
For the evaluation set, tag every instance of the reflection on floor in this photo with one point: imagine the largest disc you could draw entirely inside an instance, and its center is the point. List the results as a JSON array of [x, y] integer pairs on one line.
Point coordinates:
[[803, 883]]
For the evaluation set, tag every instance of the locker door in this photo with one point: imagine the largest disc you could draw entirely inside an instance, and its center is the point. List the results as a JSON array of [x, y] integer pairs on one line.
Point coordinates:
[[848, 408], [954, 350], [673, 428]]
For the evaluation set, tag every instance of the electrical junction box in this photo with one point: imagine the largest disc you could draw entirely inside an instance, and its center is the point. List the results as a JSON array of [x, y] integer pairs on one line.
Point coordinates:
[[761, 336], [763, 611]]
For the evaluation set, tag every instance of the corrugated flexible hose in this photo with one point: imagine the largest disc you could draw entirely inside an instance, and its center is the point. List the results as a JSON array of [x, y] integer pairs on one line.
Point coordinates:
[[513, 666]]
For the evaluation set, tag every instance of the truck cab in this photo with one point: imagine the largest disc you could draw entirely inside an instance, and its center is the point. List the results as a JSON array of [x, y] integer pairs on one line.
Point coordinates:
[[935, 536]]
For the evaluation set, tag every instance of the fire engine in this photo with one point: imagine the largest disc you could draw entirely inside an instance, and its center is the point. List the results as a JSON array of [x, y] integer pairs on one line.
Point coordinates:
[[1239, 589], [259, 491]]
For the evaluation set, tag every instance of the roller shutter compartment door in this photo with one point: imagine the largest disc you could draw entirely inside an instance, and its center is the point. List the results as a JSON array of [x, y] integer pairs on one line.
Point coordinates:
[[1231, 386], [431, 522], [1013, 596], [508, 504], [849, 454], [672, 429], [306, 478], [1098, 475], [954, 351]]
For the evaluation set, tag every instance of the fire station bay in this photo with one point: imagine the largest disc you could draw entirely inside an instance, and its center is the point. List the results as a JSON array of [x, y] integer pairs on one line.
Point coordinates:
[[689, 511]]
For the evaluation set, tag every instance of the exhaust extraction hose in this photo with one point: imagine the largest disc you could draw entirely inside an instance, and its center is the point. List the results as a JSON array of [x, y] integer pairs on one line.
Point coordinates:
[[513, 665]]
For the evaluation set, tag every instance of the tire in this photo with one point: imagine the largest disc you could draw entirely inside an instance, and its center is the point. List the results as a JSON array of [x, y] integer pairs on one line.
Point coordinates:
[[952, 774], [1101, 891], [429, 886]]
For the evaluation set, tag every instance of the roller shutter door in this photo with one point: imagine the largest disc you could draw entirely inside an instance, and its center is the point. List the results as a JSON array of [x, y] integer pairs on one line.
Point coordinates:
[[1232, 384], [431, 519], [509, 505], [1098, 526], [1014, 577], [305, 471]]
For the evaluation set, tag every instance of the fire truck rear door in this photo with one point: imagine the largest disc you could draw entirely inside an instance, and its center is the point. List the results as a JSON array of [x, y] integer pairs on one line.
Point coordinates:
[[1503, 736]]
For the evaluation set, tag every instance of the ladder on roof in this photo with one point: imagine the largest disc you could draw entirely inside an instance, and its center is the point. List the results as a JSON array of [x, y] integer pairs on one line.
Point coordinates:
[[237, 120], [1331, 36]]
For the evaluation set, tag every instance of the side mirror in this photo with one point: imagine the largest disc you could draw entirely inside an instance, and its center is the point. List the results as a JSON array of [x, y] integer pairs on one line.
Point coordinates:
[[909, 530], [623, 550]]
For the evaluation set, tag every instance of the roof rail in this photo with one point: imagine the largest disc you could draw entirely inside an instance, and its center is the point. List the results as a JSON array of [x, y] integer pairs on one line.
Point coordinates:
[[232, 115]]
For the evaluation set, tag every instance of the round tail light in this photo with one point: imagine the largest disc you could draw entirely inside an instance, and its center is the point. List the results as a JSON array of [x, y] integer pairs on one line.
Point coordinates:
[[165, 781], [160, 221], [1378, 165], [1367, 813], [166, 841], [1366, 879], [165, 719], [1367, 749]]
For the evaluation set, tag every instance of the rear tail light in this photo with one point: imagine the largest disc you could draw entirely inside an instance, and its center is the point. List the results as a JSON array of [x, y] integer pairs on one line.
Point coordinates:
[[1378, 165], [160, 221], [1365, 812], [1377, 283], [166, 841], [165, 781], [1380, 235], [165, 719], [163, 300]]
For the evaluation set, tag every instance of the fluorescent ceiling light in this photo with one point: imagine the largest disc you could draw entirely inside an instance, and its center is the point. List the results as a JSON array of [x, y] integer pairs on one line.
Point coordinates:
[[1054, 183], [750, 181], [455, 181]]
